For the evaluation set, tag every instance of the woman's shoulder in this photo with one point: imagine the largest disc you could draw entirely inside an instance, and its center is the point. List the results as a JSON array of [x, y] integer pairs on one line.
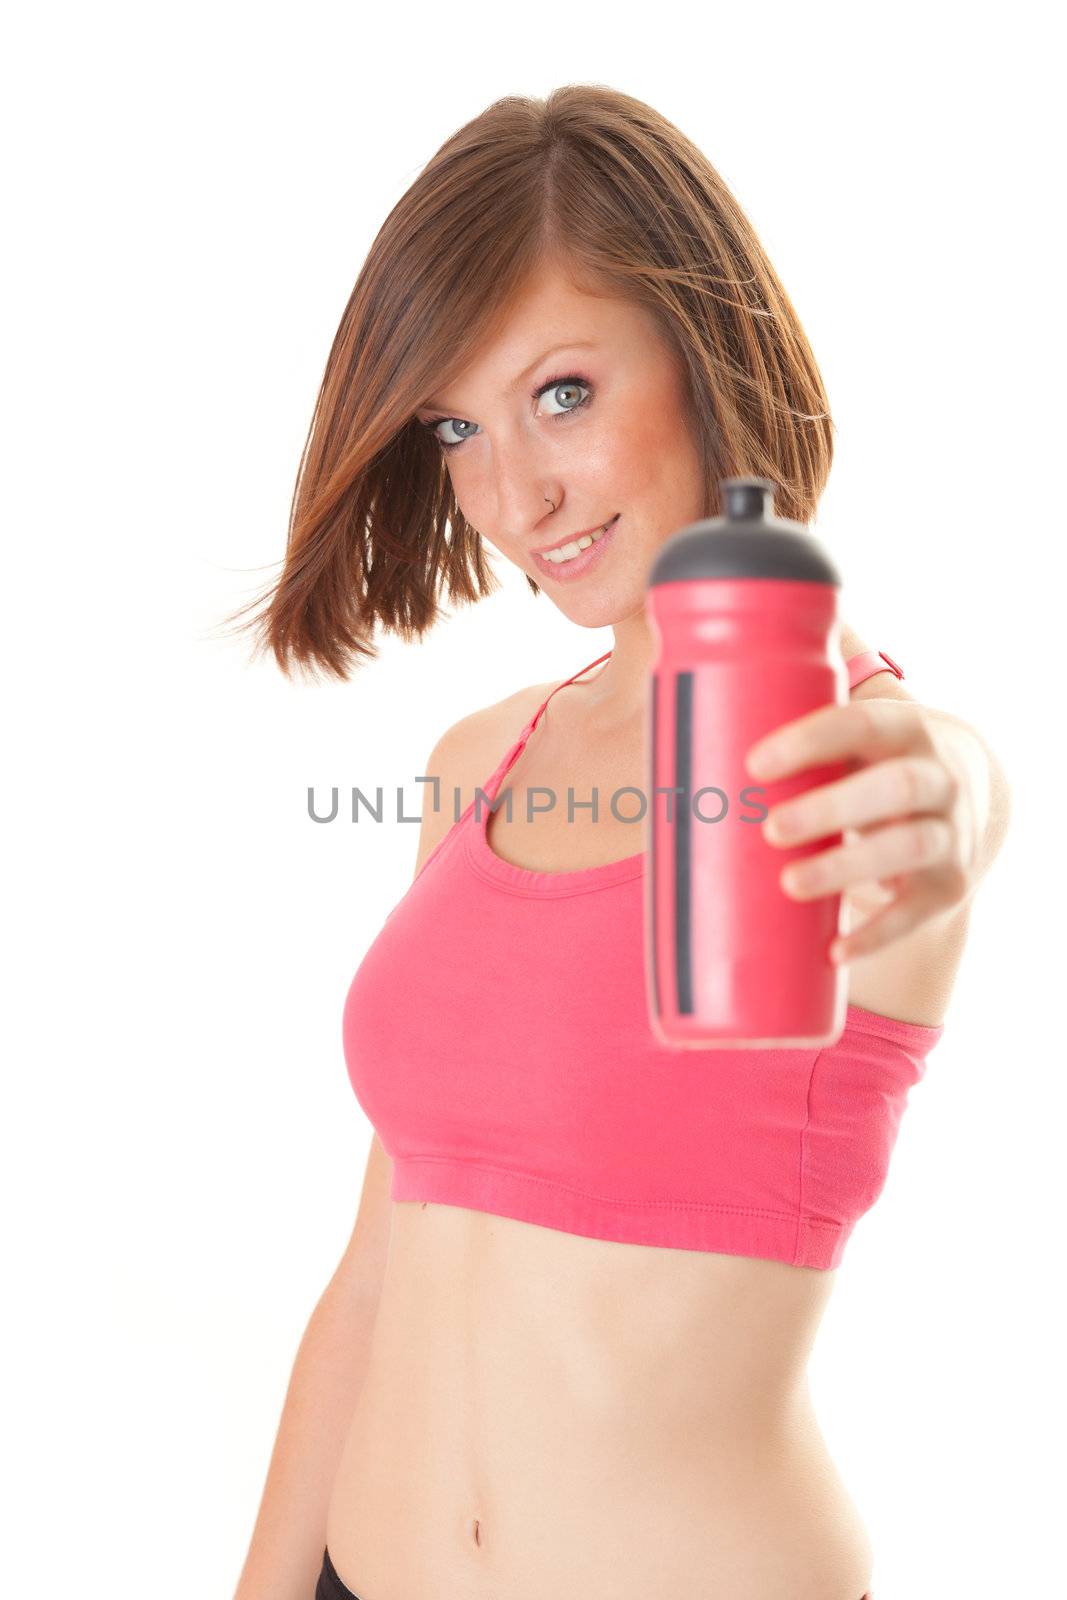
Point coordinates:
[[468, 751], [472, 747], [514, 710], [486, 732]]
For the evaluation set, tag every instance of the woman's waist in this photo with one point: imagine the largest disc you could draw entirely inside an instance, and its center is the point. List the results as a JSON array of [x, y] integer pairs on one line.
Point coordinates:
[[495, 1496], [487, 1312], [540, 1408], [494, 1403]]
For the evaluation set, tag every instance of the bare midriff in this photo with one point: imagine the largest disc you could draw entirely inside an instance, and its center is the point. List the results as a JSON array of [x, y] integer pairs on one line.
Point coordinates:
[[546, 1414]]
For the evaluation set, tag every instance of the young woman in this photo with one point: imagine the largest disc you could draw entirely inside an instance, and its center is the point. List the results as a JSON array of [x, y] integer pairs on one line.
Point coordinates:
[[544, 1367]]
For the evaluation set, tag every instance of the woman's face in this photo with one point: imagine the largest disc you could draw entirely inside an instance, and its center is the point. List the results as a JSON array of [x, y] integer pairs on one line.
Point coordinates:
[[608, 435]]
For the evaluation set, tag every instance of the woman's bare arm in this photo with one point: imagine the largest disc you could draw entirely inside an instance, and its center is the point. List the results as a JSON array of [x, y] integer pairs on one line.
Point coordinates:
[[285, 1555]]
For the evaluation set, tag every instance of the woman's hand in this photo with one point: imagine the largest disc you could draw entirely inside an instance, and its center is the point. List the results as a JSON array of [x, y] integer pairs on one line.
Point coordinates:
[[910, 799]]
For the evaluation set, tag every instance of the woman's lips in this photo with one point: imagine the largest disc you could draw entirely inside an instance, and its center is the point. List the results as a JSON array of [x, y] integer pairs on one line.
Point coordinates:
[[579, 565]]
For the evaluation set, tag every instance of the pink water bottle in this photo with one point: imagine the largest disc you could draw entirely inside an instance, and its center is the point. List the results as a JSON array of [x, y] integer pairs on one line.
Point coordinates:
[[744, 611]]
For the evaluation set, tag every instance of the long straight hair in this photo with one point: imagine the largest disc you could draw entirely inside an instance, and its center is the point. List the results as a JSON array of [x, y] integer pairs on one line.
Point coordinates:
[[605, 187]]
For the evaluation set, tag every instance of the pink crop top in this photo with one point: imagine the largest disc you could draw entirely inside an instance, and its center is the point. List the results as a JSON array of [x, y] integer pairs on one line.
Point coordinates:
[[497, 1038]]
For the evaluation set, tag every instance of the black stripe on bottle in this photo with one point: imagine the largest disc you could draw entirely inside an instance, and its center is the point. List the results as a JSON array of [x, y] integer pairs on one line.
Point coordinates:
[[683, 775], [651, 862]]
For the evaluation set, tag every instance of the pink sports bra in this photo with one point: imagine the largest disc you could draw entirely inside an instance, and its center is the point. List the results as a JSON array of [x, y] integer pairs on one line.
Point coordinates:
[[496, 1036]]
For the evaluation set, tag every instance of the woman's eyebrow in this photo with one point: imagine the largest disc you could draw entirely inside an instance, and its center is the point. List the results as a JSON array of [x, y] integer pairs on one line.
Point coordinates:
[[571, 344]]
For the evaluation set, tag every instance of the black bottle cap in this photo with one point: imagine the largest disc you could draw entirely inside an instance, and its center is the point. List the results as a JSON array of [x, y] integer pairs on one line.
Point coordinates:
[[748, 541]]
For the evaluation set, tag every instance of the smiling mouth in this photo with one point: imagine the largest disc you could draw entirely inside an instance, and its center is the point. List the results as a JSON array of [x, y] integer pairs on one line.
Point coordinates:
[[567, 552]]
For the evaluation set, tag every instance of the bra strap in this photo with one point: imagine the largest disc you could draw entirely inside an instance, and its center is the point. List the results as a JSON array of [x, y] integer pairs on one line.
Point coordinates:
[[511, 754], [860, 668], [530, 725]]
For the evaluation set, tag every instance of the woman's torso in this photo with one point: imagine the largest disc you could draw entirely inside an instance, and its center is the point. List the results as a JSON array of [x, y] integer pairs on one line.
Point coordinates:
[[546, 1413]]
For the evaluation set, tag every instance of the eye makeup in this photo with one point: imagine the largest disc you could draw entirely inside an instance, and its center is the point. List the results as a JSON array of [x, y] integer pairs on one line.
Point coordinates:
[[573, 378]]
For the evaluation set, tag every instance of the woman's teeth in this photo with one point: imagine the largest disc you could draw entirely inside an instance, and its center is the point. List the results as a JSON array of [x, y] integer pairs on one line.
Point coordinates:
[[567, 552]]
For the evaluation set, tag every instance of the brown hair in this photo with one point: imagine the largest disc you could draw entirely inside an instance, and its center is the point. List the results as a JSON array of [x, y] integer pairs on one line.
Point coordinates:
[[604, 185]]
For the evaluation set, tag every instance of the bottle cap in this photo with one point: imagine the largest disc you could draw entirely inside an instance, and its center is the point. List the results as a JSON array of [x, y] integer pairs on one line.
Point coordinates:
[[747, 541]]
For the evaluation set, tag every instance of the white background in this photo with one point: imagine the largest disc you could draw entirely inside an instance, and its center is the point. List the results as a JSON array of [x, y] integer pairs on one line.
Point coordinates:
[[190, 193]]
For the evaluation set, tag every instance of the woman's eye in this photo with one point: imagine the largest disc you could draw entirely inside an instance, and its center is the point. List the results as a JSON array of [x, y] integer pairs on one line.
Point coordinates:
[[562, 390], [565, 387], [448, 422]]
